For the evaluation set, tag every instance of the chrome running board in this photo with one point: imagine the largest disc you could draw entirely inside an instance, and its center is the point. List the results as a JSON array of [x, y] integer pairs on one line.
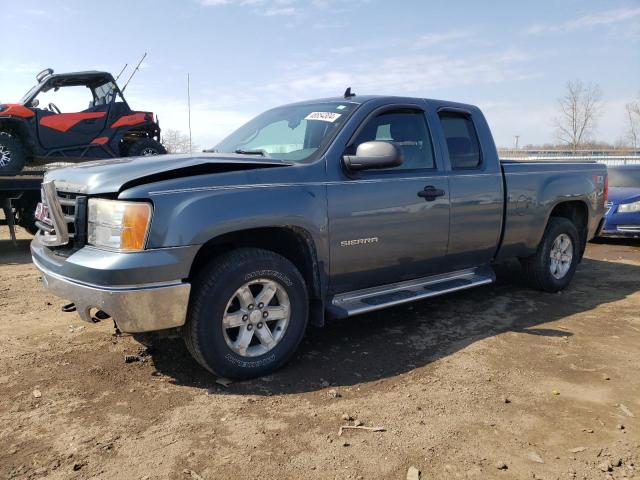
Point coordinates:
[[376, 298]]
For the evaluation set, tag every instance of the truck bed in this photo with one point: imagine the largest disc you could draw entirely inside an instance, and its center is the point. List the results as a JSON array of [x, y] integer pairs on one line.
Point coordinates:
[[533, 188]]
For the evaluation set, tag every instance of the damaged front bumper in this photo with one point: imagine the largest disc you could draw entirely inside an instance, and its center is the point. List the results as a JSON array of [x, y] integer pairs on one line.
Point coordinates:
[[135, 307], [139, 308]]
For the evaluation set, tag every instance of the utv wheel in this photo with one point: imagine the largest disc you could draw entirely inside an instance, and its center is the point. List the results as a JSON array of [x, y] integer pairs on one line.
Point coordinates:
[[12, 155], [145, 147], [247, 314], [552, 267]]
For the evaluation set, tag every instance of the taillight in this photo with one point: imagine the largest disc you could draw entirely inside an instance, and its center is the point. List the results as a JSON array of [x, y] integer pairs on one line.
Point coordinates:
[[605, 192]]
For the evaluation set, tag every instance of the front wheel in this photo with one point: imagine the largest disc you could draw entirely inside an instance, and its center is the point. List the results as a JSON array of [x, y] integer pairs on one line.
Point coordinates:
[[553, 265], [247, 315], [12, 154]]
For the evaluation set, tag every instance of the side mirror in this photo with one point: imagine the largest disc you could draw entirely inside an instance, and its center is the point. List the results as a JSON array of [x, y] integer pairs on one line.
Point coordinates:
[[374, 154], [34, 103]]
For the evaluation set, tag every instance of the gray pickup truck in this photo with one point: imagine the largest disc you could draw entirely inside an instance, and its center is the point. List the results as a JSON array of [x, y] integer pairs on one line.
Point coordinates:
[[325, 208]]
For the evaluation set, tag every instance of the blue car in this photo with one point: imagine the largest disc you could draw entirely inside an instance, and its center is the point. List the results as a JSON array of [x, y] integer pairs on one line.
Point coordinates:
[[622, 217]]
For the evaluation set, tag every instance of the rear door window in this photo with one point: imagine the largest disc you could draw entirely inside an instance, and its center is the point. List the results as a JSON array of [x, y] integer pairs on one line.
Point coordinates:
[[462, 140]]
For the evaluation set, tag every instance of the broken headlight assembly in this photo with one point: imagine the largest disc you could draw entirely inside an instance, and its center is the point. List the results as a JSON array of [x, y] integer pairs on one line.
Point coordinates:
[[118, 225]]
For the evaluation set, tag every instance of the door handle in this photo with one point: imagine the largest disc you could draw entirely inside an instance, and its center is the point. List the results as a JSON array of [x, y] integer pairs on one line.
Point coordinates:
[[430, 193]]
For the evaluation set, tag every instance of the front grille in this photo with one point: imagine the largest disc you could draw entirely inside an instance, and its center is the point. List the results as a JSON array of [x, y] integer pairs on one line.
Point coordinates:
[[68, 204], [74, 209]]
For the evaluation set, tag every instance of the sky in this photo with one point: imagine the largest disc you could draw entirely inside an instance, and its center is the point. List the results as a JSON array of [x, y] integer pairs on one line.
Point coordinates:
[[512, 59]]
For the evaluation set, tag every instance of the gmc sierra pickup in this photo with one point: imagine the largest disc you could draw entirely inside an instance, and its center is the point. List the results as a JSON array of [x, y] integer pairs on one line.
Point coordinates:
[[325, 208]]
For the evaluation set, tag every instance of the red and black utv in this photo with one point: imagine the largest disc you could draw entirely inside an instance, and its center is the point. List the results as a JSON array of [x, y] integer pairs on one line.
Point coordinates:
[[107, 128]]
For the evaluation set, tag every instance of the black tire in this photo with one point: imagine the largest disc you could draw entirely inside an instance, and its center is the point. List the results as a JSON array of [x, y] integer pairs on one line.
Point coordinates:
[[144, 147], [212, 290], [25, 217], [537, 267], [12, 154]]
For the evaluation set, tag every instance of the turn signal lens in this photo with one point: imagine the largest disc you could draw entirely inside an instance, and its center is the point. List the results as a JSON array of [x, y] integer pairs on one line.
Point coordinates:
[[135, 224]]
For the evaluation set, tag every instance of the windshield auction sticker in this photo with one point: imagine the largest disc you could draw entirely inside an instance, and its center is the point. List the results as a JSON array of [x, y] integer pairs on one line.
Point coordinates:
[[323, 116]]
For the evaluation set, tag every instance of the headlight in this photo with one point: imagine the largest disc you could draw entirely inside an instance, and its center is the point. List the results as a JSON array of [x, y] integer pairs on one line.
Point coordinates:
[[629, 207], [118, 225]]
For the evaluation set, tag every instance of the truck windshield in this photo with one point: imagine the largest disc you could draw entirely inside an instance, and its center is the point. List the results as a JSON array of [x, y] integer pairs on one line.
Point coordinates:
[[293, 132], [624, 178]]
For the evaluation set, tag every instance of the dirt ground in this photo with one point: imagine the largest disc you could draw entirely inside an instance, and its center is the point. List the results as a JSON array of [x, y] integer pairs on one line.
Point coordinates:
[[499, 382]]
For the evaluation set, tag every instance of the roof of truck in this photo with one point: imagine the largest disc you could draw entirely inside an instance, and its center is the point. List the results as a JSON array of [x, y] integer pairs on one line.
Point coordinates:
[[629, 166], [360, 99]]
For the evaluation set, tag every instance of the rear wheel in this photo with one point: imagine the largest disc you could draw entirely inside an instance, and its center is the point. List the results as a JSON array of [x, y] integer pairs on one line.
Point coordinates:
[[145, 147], [552, 267], [12, 154], [248, 314]]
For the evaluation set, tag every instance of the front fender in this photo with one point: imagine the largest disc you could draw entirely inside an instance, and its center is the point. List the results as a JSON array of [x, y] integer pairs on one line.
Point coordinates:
[[195, 217]]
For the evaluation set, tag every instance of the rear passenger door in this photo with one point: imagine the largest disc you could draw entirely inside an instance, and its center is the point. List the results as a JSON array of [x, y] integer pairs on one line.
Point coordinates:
[[476, 189]]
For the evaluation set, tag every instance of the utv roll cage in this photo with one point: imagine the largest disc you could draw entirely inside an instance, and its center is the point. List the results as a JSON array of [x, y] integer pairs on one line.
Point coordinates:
[[91, 79]]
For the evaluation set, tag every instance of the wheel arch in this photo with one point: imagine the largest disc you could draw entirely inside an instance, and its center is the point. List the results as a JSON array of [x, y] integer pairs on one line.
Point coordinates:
[[131, 134], [576, 211], [19, 128], [292, 242]]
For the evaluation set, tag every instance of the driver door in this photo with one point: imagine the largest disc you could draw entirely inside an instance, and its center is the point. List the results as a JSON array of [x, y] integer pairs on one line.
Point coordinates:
[[76, 128], [382, 228]]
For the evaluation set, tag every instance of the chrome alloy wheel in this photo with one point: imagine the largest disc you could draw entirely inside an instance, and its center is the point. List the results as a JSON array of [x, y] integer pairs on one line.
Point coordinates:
[[5, 156], [256, 317], [147, 152], [561, 256]]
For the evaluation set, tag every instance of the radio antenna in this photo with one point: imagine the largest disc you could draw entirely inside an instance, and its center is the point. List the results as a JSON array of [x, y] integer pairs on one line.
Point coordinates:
[[189, 109], [122, 71], [134, 71]]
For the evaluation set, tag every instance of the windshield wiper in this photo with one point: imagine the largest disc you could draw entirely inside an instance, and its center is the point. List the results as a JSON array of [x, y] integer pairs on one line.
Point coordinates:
[[260, 152]]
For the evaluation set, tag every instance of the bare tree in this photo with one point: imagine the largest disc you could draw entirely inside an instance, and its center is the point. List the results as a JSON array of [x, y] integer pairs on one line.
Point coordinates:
[[579, 110], [177, 142], [633, 126]]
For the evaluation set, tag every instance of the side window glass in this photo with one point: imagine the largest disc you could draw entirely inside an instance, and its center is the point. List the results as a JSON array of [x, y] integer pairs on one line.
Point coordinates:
[[408, 129], [104, 94], [462, 140]]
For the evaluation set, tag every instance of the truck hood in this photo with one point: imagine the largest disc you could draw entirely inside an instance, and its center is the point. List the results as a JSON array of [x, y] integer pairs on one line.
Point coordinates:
[[116, 175]]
